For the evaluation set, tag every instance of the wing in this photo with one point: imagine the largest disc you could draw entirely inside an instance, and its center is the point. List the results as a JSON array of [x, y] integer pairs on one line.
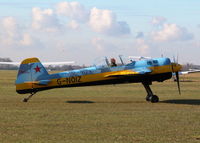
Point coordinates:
[[130, 72], [40, 82]]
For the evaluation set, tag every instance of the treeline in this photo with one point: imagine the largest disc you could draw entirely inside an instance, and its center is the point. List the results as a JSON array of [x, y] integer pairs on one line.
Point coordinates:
[[5, 60], [7, 67], [190, 66]]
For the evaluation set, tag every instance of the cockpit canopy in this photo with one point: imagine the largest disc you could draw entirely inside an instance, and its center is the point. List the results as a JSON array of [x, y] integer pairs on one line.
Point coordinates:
[[120, 60], [107, 61]]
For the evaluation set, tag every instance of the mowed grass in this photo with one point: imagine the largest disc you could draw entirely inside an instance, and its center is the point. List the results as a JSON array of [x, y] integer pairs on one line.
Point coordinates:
[[101, 114]]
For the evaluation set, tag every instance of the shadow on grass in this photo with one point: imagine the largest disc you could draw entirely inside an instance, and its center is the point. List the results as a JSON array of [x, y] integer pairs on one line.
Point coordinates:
[[106, 102], [187, 81], [183, 101], [80, 102], [122, 102]]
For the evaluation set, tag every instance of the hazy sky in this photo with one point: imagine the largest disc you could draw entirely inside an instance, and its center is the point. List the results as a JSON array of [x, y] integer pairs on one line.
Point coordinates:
[[83, 30]]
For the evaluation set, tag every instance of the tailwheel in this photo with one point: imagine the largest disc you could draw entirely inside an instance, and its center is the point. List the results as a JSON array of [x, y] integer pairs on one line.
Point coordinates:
[[154, 99], [26, 99]]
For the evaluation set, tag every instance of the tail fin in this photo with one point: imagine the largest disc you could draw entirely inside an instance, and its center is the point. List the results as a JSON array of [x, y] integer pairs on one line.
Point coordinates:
[[30, 70]]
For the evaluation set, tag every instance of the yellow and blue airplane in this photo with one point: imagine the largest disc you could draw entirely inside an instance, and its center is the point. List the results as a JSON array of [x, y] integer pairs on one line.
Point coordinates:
[[33, 77]]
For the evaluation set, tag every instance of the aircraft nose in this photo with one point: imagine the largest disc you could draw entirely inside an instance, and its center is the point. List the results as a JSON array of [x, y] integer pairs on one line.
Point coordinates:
[[179, 67], [176, 67]]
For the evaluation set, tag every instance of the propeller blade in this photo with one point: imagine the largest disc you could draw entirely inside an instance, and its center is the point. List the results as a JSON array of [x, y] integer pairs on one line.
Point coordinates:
[[178, 83]]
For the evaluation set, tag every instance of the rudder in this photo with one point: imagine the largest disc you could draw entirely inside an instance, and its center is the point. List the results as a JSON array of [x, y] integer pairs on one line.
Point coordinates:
[[30, 71]]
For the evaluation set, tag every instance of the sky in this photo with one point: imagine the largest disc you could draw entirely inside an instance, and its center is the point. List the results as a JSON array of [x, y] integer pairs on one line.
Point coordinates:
[[85, 30]]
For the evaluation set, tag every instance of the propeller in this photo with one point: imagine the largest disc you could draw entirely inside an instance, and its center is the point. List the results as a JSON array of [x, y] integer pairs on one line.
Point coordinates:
[[175, 65], [178, 83]]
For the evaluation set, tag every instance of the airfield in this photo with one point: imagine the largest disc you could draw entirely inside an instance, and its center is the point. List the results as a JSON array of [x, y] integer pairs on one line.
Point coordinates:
[[101, 114]]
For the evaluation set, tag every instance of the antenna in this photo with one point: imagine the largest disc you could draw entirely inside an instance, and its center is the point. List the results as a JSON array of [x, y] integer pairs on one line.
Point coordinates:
[[120, 57], [107, 62]]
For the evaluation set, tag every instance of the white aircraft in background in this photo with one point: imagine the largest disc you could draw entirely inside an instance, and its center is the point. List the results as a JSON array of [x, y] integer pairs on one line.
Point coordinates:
[[189, 72], [137, 58], [45, 63], [185, 73]]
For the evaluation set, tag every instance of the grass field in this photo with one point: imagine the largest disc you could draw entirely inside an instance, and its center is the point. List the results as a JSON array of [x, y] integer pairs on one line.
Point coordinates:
[[101, 114]]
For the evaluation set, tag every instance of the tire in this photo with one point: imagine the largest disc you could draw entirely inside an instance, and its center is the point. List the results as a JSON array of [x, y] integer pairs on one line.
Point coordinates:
[[148, 98], [154, 99]]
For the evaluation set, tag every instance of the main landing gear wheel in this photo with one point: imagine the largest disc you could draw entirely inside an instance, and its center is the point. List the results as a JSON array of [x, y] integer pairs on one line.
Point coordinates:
[[150, 96], [154, 99]]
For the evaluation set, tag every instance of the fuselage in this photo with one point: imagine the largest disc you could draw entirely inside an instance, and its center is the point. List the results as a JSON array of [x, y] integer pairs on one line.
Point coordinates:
[[157, 69]]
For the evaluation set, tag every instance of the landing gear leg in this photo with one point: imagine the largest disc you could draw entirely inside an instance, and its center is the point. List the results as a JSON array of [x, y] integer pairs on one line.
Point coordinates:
[[26, 99], [150, 96]]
